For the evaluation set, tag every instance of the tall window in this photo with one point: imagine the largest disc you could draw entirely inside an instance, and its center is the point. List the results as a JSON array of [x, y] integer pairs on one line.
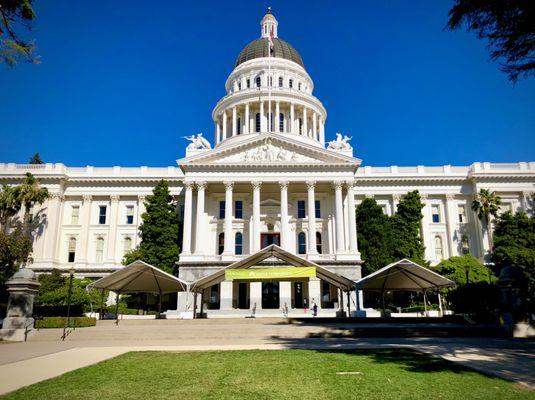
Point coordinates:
[[280, 81], [102, 215], [270, 81], [129, 215], [222, 209], [465, 244], [299, 86], [291, 83], [258, 81], [238, 244], [238, 126], [127, 243], [281, 122], [462, 213], [300, 126], [239, 85], [302, 243], [301, 211], [318, 242], [71, 253], [439, 254], [271, 122], [100, 250], [248, 81], [317, 206], [238, 209], [75, 214], [221, 243], [257, 122], [435, 213]]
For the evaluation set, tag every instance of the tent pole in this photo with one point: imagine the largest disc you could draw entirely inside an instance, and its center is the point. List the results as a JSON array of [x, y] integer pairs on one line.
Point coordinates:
[[117, 308], [101, 304], [441, 310], [341, 301], [202, 303], [194, 305], [425, 303], [383, 296], [348, 304], [160, 303]]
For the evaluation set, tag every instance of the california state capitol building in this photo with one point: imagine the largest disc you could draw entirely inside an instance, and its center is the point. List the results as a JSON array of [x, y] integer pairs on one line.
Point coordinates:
[[267, 179]]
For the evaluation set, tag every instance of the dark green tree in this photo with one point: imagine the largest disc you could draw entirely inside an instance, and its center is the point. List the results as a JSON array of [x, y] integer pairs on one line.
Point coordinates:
[[405, 229], [455, 268], [15, 249], [514, 244], [374, 236], [159, 231], [13, 47], [36, 159], [509, 28]]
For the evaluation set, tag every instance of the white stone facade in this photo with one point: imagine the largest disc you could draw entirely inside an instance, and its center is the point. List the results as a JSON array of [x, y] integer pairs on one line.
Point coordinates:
[[278, 183]]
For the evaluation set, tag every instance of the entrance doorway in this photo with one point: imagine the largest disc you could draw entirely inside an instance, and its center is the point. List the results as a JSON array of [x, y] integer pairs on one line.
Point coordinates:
[[267, 239], [270, 295], [243, 297], [298, 295]]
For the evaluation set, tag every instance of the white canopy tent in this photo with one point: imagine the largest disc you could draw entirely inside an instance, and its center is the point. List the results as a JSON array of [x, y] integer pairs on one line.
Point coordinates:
[[140, 277]]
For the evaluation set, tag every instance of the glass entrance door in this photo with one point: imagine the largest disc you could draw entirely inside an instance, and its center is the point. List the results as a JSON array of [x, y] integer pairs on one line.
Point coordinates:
[[270, 295]]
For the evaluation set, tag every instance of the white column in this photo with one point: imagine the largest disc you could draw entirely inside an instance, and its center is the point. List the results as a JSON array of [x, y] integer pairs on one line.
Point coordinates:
[[322, 130], [353, 248], [234, 121], [53, 218], [425, 227], [224, 125], [225, 296], [276, 119], [84, 237], [247, 118], [229, 237], [200, 240], [255, 295], [305, 124], [285, 228], [285, 294], [263, 125], [395, 201], [314, 126], [112, 235], [339, 216], [188, 209], [314, 292], [451, 223], [311, 211], [292, 118], [256, 215], [217, 132]]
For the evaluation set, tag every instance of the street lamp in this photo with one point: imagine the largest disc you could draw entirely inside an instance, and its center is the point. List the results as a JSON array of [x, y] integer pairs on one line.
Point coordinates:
[[71, 276], [466, 271]]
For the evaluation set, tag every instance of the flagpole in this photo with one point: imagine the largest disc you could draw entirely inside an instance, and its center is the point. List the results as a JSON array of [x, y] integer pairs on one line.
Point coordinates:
[[270, 82]]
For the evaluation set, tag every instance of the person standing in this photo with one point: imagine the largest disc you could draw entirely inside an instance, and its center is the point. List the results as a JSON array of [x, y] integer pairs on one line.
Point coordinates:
[[315, 309], [305, 305]]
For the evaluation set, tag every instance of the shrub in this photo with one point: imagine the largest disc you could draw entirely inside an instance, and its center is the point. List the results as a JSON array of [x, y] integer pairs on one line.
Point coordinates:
[[480, 300], [59, 322]]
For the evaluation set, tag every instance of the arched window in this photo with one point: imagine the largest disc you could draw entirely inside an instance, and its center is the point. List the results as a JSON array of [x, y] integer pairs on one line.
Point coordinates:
[[291, 83], [302, 243], [127, 244], [439, 254], [100, 250], [221, 243], [258, 81], [71, 254], [238, 248], [280, 81], [257, 122], [465, 244], [281, 122], [238, 126], [318, 242], [300, 126]]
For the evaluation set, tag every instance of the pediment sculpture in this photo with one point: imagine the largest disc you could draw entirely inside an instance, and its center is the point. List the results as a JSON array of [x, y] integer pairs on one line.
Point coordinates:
[[267, 152]]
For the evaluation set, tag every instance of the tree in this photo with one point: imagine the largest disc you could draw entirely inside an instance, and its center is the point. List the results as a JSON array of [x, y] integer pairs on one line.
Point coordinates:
[[374, 236], [12, 46], [159, 231], [30, 192], [15, 249], [405, 226], [487, 204], [509, 28], [514, 237], [456, 268], [36, 159], [9, 205]]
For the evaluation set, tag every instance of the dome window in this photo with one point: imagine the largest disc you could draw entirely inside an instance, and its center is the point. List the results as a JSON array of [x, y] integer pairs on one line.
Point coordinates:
[[280, 81], [291, 83], [257, 122], [248, 83], [258, 82]]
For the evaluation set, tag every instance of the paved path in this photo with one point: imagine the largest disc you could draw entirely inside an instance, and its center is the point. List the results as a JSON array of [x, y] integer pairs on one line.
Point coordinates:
[[44, 356]]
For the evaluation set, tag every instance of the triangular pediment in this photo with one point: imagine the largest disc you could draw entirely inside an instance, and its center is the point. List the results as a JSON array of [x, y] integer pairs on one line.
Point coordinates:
[[268, 149]]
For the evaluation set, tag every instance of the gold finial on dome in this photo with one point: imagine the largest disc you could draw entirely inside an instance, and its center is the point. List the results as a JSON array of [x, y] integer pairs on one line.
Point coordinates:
[[269, 10]]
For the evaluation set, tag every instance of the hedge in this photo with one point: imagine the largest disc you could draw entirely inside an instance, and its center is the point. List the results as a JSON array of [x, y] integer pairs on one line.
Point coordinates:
[[59, 322]]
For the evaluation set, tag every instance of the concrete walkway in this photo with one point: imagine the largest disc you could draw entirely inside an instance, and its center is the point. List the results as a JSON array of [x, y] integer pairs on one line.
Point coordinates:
[[45, 356]]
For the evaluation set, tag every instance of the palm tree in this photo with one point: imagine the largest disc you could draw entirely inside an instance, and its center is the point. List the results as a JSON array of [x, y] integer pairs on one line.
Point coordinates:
[[487, 204], [9, 205], [30, 192]]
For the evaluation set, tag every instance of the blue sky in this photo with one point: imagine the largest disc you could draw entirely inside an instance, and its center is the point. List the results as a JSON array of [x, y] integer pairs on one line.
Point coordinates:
[[121, 82]]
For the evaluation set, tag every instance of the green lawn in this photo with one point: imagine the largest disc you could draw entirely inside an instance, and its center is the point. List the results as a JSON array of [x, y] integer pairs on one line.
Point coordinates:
[[265, 374]]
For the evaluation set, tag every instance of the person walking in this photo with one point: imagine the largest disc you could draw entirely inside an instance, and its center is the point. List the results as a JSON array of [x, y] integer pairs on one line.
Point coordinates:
[[305, 305], [315, 309]]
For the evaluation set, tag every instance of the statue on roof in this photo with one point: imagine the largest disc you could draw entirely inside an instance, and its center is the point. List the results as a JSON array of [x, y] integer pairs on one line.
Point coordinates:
[[198, 142], [341, 143]]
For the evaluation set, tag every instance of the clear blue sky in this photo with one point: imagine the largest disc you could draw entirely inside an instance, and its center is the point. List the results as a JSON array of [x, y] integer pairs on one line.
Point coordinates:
[[121, 82]]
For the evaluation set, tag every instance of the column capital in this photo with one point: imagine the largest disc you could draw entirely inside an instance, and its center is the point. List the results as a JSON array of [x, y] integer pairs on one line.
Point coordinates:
[[201, 185], [424, 196], [283, 184], [256, 184], [450, 196], [337, 185], [57, 196], [396, 197], [311, 185], [114, 198], [349, 184], [87, 197], [228, 185], [188, 185], [372, 196], [526, 194]]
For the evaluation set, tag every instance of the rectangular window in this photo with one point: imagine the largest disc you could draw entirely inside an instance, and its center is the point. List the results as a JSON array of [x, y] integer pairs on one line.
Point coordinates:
[[239, 85], [71, 255], [462, 214], [317, 204], [129, 215], [435, 213], [222, 209], [238, 209], [301, 209], [102, 215], [299, 86], [280, 81], [270, 81], [291, 83], [75, 214], [248, 83]]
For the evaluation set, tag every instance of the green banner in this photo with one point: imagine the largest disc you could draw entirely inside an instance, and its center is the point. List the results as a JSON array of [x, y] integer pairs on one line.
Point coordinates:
[[255, 274]]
